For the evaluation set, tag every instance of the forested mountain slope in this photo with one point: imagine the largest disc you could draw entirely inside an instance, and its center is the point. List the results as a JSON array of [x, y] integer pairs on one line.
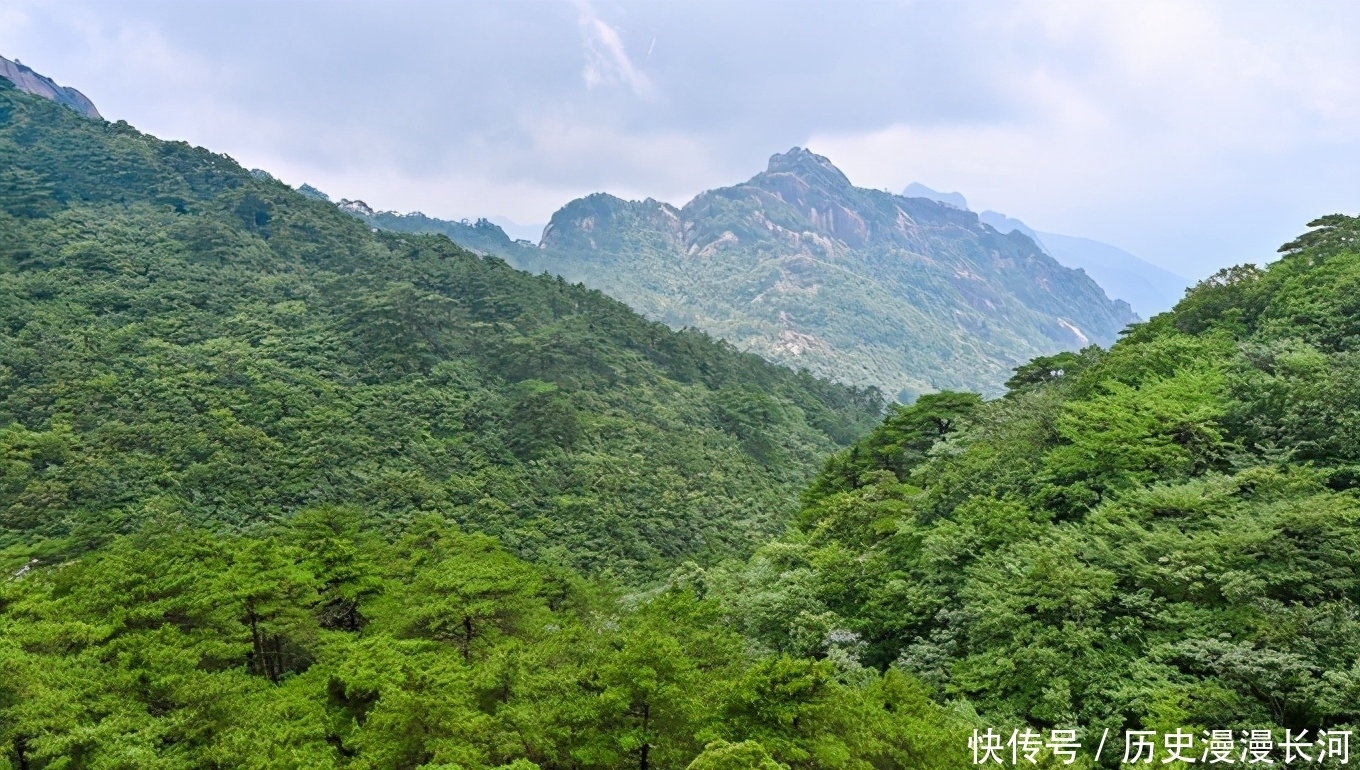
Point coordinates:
[[1163, 535], [181, 338], [806, 269]]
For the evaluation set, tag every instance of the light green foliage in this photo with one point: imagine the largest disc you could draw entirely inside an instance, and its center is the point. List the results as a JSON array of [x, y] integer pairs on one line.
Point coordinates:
[[747, 755], [1157, 536], [174, 648], [1130, 436]]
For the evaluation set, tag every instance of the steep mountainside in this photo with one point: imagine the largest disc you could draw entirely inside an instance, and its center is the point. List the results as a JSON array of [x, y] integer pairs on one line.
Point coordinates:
[[1148, 289], [182, 338], [804, 268]]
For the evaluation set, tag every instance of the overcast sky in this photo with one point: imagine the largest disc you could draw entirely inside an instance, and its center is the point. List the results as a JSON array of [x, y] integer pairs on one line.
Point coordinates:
[[1194, 134]]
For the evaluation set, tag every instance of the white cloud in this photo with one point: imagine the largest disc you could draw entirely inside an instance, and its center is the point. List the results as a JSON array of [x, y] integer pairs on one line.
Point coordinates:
[[1143, 123], [607, 61], [525, 175], [1200, 131]]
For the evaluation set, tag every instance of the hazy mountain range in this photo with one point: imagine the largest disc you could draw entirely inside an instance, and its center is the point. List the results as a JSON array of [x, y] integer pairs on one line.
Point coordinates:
[[1147, 288], [801, 266]]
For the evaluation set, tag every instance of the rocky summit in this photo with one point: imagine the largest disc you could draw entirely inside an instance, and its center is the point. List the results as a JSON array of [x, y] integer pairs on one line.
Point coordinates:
[[30, 82]]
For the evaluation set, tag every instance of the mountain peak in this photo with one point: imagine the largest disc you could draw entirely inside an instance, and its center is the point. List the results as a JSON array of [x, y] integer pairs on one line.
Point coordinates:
[[25, 79], [356, 208], [807, 165]]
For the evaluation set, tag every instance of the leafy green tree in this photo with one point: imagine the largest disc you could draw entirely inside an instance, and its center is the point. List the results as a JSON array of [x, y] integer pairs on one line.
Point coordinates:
[[338, 559], [273, 595], [898, 445], [1046, 370], [746, 755]]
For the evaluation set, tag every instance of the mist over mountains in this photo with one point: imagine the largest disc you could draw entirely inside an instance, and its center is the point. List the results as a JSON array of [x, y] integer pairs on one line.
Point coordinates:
[[1147, 288]]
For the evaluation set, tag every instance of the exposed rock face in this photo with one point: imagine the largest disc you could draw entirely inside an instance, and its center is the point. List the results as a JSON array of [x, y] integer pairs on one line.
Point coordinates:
[[31, 82], [803, 267]]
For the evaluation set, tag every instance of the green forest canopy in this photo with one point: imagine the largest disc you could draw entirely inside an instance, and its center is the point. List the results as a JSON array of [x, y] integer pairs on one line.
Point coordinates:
[[1162, 535], [321, 646]]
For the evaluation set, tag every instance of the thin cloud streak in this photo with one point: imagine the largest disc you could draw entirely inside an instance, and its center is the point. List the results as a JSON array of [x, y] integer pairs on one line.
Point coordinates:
[[607, 59]]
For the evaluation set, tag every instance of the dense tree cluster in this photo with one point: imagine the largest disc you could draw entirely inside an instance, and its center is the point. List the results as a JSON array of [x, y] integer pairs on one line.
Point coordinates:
[[321, 645]]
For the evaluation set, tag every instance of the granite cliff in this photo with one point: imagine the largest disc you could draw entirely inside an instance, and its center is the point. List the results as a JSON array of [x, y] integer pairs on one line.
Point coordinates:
[[30, 82]]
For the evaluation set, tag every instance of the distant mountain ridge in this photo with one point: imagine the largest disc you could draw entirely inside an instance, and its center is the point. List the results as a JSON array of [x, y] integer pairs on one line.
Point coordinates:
[[1147, 288], [918, 190], [30, 82], [482, 236]]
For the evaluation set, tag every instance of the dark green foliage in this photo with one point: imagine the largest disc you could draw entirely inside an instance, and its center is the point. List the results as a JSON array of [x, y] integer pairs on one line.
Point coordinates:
[[179, 335], [1166, 534], [541, 419]]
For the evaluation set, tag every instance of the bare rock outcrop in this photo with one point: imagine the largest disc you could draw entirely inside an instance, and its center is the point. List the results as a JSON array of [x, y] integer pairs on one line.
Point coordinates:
[[28, 81]]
